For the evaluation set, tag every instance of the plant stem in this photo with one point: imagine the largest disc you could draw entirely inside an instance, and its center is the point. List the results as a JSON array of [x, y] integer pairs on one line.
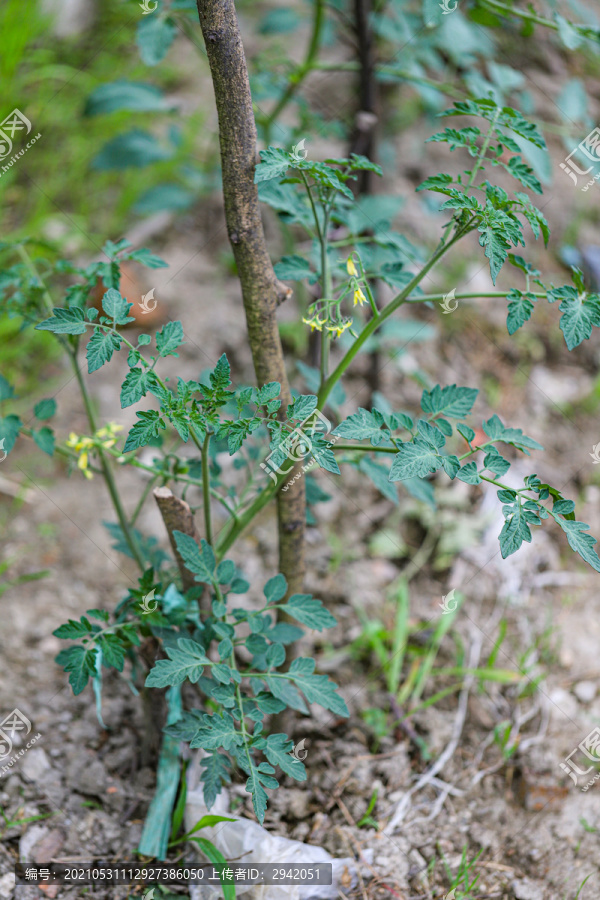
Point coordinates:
[[483, 151], [327, 290], [373, 324], [206, 489], [301, 72], [106, 470]]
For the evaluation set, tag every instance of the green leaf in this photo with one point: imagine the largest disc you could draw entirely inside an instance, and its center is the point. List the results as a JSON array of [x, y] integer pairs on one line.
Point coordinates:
[[451, 400], [524, 173], [7, 391], [275, 588], [496, 431], [579, 541], [275, 656], [45, 409], [416, 459], [169, 339], [81, 665], [216, 772], [259, 795], [199, 560], [186, 663], [278, 751], [469, 474], [363, 425], [450, 465], [514, 531], [116, 307], [302, 406], [568, 34], [133, 96], [311, 612], [133, 149], [293, 268], [135, 386], [274, 163], [284, 690], [145, 430], [216, 732], [113, 651], [44, 438], [167, 196], [147, 258], [380, 476], [226, 571], [217, 859], [73, 630], [10, 427], [496, 246], [580, 313], [154, 37], [495, 462], [100, 348], [64, 321], [520, 308], [316, 688]]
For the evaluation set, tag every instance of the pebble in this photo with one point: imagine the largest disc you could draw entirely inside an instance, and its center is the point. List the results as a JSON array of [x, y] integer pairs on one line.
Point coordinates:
[[585, 691], [35, 764], [524, 889]]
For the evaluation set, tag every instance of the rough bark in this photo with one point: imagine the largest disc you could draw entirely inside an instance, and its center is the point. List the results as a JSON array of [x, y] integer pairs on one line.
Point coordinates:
[[177, 516], [261, 291]]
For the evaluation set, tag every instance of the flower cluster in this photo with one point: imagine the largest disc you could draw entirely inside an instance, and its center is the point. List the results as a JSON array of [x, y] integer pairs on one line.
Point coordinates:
[[325, 314], [105, 437]]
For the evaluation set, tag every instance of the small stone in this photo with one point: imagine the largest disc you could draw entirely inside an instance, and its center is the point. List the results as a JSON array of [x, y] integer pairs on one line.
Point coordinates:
[[7, 885], [524, 889], [48, 847], [585, 691], [35, 764]]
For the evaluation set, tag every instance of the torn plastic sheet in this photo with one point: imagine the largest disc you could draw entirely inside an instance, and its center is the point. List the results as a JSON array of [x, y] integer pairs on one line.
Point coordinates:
[[245, 841]]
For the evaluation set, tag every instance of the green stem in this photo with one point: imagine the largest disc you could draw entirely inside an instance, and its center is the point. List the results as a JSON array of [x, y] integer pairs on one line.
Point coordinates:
[[373, 324], [106, 470], [206, 489], [483, 151], [302, 71], [327, 290], [142, 500], [474, 296], [519, 13]]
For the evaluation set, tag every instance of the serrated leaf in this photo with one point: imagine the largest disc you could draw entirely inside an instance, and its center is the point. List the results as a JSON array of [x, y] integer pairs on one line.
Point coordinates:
[[73, 630], [146, 429], [514, 531], [311, 612], [284, 690], [362, 425], [198, 559], [317, 688], [496, 431], [293, 268], [64, 321], [186, 663], [81, 666], [100, 348], [416, 459], [116, 307], [275, 656], [468, 473], [136, 385], [579, 541], [274, 163], [113, 651], [133, 96], [216, 773], [451, 400], [524, 173], [278, 751], [520, 308], [580, 313], [169, 339]]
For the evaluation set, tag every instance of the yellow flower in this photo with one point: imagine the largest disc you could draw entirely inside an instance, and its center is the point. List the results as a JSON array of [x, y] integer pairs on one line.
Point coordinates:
[[351, 268], [339, 327], [359, 297]]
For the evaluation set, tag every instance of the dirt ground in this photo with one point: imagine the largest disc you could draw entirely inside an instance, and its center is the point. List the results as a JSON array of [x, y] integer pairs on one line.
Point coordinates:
[[537, 832]]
